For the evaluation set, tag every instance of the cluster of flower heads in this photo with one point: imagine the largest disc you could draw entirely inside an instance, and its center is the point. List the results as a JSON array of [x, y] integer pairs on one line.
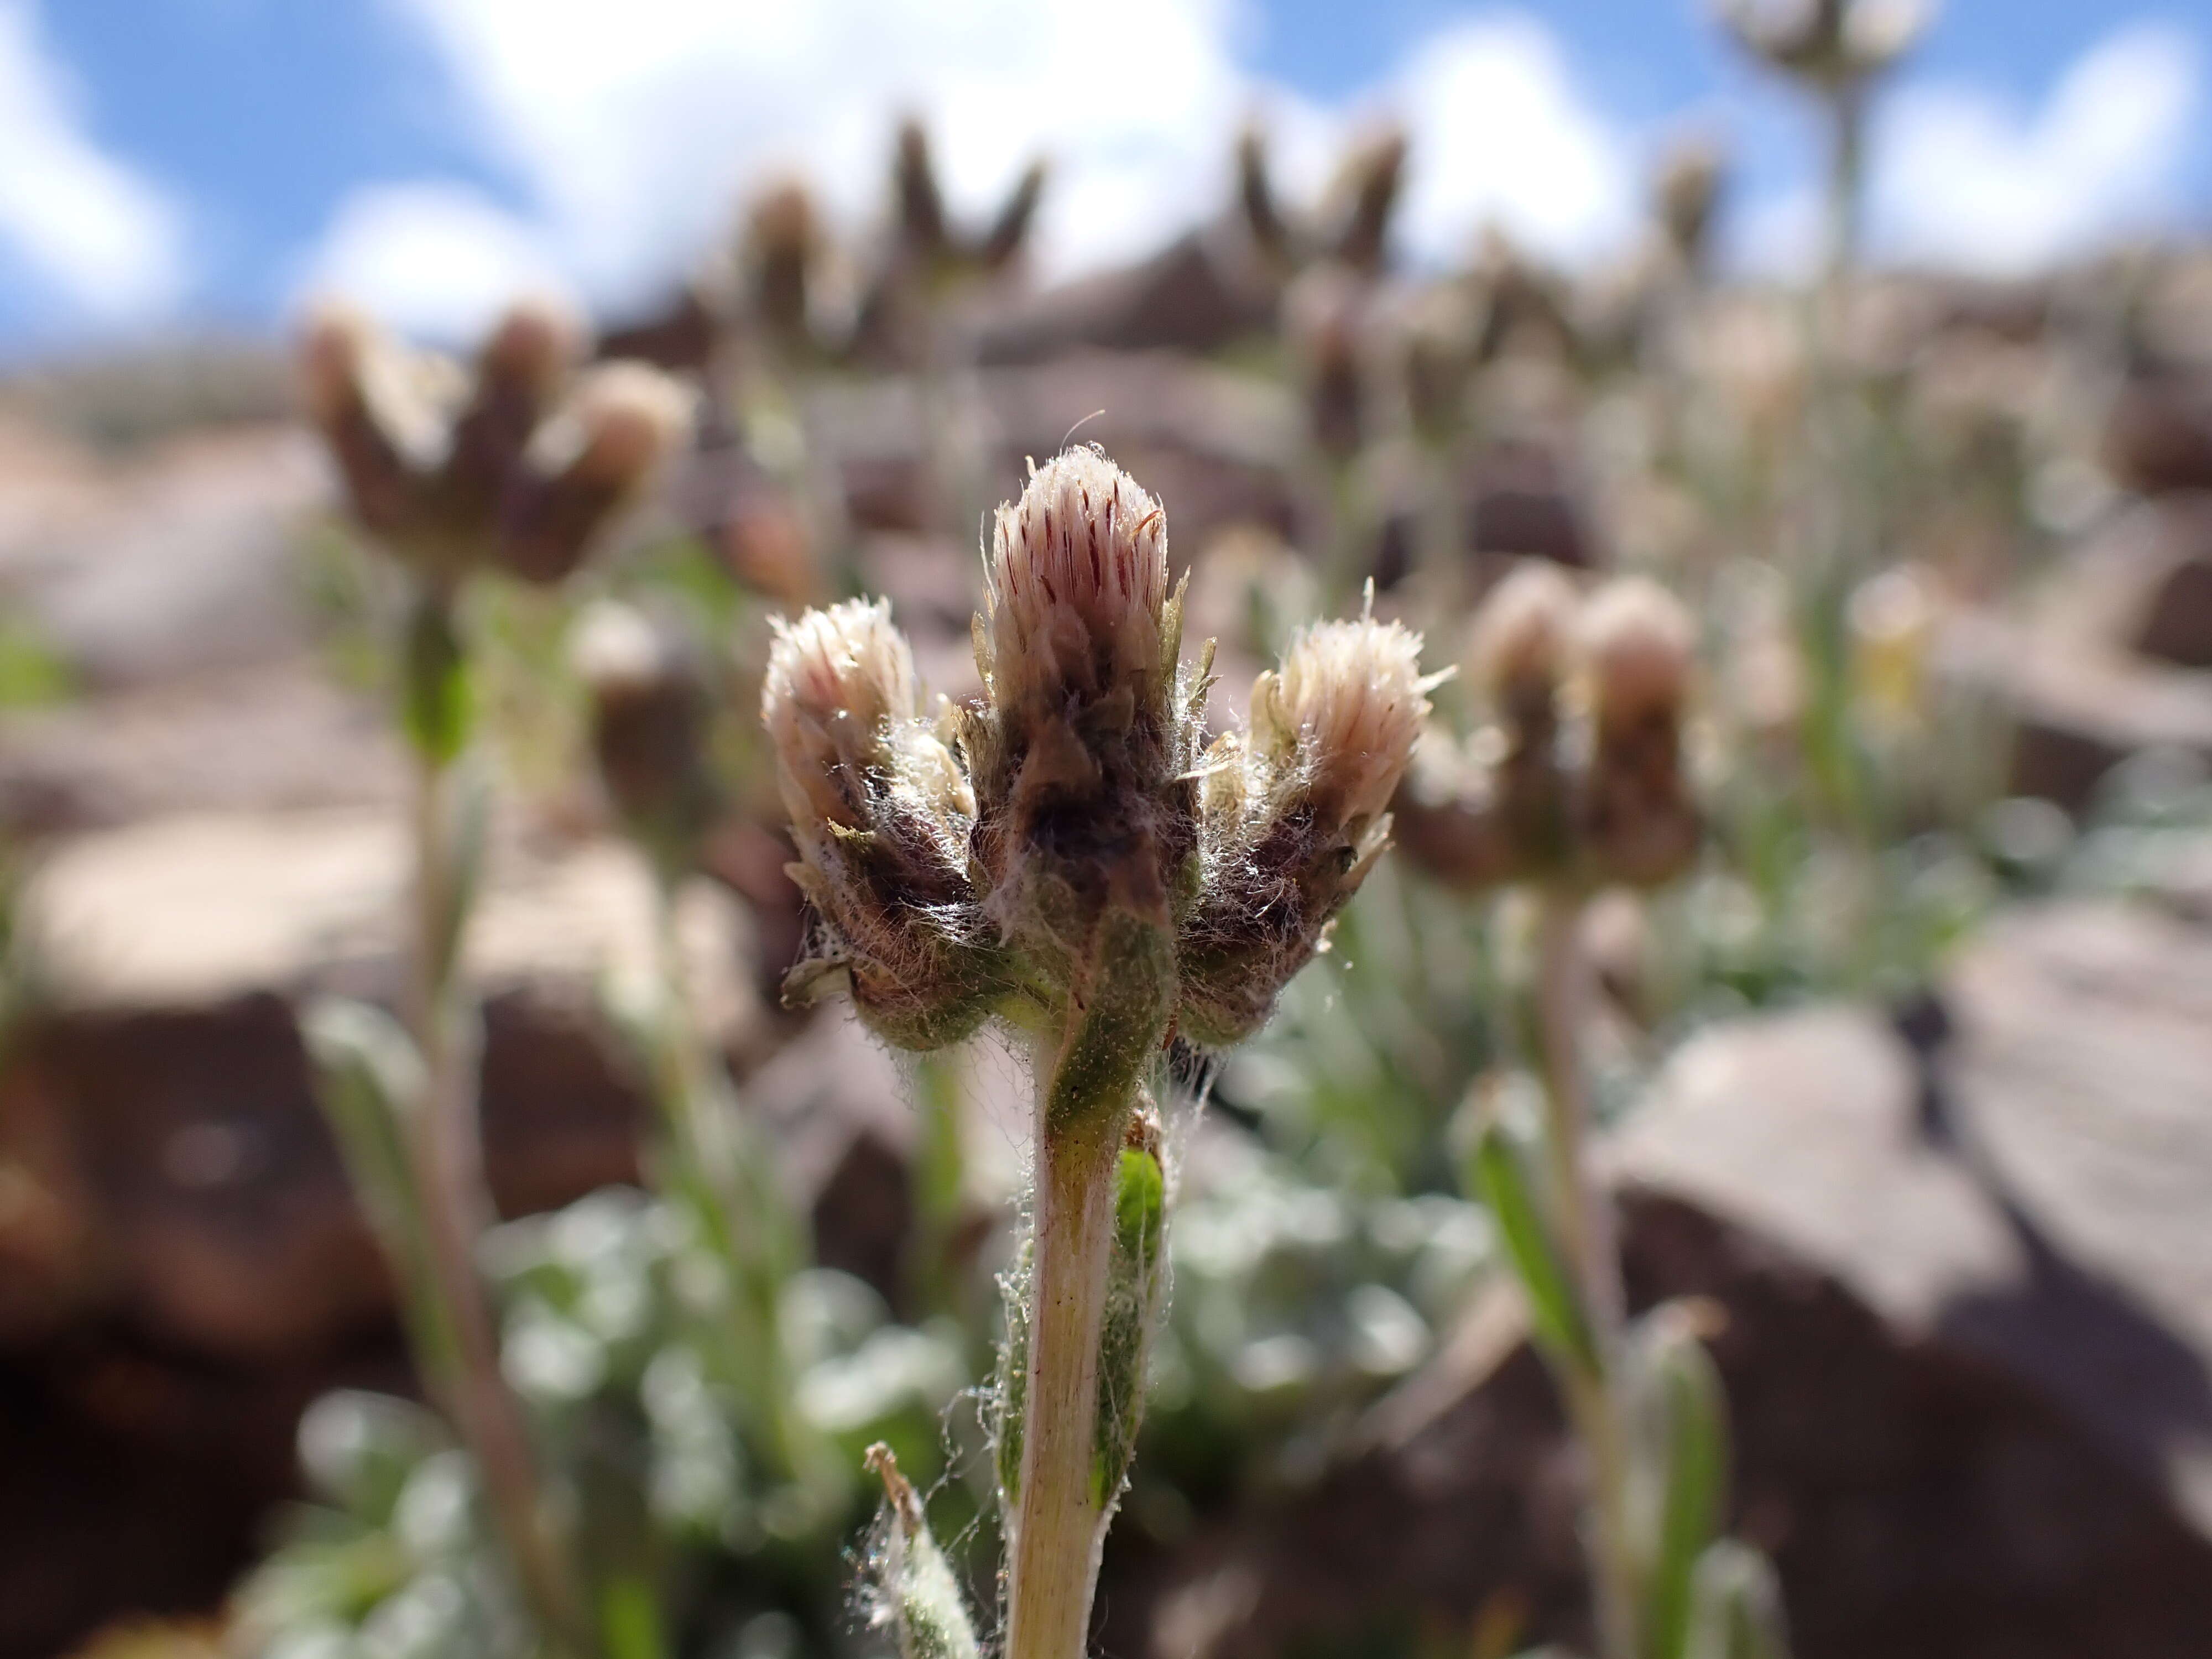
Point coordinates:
[[1578, 774], [520, 462], [1071, 843], [1828, 42]]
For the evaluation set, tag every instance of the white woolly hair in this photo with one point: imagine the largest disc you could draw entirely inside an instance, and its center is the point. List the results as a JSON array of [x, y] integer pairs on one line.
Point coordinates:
[[1524, 630], [838, 681], [621, 420], [615, 647], [348, 364], [1348, 701], [1079, 577], [1636, 640]]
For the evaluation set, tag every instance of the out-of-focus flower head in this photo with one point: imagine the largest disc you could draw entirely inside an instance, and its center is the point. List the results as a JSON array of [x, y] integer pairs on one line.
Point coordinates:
[[453, 472]]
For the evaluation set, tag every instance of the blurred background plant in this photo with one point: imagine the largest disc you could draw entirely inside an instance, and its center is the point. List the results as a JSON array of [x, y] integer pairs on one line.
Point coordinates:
[[1893, 508]]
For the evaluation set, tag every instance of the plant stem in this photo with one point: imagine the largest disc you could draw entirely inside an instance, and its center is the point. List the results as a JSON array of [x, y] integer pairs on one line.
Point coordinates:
[[446, 1151], [1583, 1221], [1058, 1519], [722, 1174]]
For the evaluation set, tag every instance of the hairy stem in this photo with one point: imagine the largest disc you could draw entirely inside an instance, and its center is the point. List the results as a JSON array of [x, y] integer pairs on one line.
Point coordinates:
[[1059, 1520], [1583, 1221]]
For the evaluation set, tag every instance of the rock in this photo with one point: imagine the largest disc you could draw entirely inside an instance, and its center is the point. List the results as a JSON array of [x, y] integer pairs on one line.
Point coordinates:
[[1968, 1331], [2035, 1199], [183, 1176], [1217, 444], [1519, 505], [1918, 1502], [2079, 710], [2158, 436], [2145, 585], [1199, 294], [168, 561], [276, 736]]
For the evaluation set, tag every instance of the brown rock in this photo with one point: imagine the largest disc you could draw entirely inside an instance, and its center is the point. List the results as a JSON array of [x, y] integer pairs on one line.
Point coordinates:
[[2145, 585], [2158, 437], [1967, 1341], [2080, 709], [164, 1091]]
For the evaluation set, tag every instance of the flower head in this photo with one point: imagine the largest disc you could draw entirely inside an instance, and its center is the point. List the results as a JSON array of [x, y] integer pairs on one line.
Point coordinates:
[[650, 703], [1636, 642], [1297, 813], [881, 813], [600, 450], [1079, 584], [1073, 860], [1638, 823], [1342, 713], [839, 683], [453, 469], [1521, 638]]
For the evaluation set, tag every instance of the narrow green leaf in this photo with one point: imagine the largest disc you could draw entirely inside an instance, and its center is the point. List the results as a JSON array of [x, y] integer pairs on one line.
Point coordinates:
[[1554, 1305], [368, 1082], [1693, 1427]]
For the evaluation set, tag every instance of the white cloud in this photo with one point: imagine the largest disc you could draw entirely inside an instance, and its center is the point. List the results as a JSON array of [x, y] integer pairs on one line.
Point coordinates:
[[1959, 178], [634, 139], [437, 260], [105, 239], [1501, 134], [634, 142]]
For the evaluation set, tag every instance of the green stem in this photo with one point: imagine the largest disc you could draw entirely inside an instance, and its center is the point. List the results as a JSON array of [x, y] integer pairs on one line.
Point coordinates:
[[1059, 1522], [732, 1190], [1584, 1221], [446, 1151]]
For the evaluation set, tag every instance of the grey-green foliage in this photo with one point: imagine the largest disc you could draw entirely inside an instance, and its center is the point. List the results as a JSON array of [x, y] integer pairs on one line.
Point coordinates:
[[612, 1311], [1295, 1302], [1686, 1422], [1500, 1174]]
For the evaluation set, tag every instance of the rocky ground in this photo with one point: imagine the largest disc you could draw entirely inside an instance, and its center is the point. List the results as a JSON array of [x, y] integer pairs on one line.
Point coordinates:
[[1960, 1247]]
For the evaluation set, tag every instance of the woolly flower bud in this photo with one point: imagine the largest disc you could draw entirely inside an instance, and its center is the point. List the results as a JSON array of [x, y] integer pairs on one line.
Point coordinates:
[[383, 430], [1636, 642], [1079, 580], [1296, 815], [1638, 823], [532, 348], [837, 682], [627, 418], [1519, 648], [1345, 710], [621, 423], [881, 815], [649, 712]]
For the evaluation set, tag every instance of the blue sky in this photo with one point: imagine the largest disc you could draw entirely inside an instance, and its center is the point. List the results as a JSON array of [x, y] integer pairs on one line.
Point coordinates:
[[172, 163]]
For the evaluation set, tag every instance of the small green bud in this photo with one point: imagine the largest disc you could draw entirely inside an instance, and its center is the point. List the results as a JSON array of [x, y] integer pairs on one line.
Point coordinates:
[[1135, 1293]]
